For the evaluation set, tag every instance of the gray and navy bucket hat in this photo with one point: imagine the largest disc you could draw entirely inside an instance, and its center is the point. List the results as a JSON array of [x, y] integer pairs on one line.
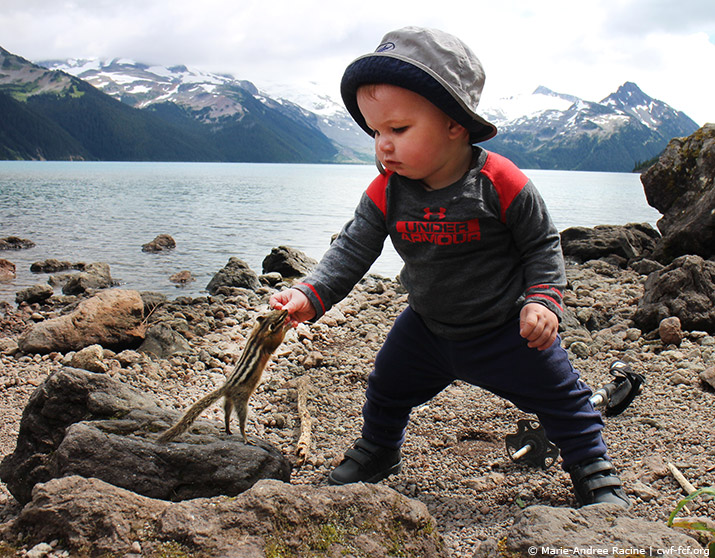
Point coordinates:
[[434, 64]]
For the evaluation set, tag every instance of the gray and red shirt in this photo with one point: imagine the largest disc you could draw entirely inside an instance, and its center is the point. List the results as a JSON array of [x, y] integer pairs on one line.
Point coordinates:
[[474, 252]]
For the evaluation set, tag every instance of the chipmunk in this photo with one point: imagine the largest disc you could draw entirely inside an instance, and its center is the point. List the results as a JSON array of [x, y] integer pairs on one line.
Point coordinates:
[[267, 335]]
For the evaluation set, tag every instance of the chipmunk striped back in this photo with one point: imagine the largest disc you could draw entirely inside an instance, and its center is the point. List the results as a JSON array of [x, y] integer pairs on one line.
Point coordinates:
[[268, 333]]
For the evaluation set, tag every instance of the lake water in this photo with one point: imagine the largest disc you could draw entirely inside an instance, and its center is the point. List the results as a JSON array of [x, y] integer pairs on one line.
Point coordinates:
[[104, 212]]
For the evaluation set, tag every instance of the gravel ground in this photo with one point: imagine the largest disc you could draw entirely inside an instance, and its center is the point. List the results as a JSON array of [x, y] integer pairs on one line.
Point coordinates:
[[454, 455]]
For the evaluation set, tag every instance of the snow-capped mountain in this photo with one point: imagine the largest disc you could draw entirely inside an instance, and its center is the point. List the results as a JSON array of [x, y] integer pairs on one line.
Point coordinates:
[[187, 114], [215, 98], [555, 131]]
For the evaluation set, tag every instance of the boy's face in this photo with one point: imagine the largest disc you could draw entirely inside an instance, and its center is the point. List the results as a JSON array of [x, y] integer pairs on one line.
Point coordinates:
[[413, 137]]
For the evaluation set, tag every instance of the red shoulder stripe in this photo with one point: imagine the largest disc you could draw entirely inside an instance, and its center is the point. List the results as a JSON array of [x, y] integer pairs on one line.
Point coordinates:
[[377, 192], [507, 179]]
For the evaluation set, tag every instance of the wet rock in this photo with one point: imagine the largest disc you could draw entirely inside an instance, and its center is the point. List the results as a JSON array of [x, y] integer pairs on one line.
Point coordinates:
[[288, 261], [271, 517], [52, 265], [629, 241], [599, 530], [7, 270], [80, 423], [684, 289], [94, 277], [161, 243], [36, 293], [182, 277], [111, 319], [15, 243], [681, 185], [236, 273]]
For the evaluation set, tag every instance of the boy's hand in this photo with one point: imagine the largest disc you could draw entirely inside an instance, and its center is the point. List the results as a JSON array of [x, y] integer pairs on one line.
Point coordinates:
[[296, 303], [538, 325]]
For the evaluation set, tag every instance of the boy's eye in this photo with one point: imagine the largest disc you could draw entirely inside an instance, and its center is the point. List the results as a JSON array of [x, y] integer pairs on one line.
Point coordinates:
[[399, 130]]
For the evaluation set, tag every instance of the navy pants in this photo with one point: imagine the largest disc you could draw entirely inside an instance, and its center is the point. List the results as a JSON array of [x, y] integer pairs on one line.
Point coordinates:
[[414, 365]]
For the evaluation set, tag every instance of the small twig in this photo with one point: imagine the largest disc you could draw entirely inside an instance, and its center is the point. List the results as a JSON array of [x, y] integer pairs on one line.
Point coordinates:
[[302, 448], [682, 481]]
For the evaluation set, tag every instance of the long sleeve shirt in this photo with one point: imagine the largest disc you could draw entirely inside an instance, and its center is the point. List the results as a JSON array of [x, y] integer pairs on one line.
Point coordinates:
[[474, 252]]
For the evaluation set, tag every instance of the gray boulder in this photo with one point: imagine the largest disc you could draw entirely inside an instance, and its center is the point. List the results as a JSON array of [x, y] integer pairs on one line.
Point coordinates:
[[80, 423], [684, 289], [630, 242], [163, 341], [36, 293], [235, 273], [270, 519], [681, 185], [95, 276], [601, 530], [289, 262]]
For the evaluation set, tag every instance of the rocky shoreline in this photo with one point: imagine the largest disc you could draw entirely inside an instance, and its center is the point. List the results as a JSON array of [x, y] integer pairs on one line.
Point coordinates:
[[139, 359], [456, 464]]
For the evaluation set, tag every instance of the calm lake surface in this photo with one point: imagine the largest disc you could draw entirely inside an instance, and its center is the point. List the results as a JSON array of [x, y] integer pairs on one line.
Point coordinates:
[[104, 212]]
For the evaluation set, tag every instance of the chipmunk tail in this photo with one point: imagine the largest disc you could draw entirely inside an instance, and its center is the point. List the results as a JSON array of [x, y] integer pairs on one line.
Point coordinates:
[[191, 415]]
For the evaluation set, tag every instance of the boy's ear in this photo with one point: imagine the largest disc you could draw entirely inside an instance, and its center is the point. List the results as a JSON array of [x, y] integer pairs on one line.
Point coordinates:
[[456, 130]]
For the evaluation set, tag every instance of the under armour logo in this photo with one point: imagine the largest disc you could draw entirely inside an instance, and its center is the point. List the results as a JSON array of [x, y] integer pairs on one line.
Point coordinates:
[[441, 214]]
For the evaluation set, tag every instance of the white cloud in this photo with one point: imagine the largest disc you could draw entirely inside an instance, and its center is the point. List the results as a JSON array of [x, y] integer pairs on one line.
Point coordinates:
[[586, 49]]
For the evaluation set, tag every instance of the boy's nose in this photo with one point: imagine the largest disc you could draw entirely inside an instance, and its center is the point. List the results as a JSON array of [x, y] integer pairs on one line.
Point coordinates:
[[384, 144]]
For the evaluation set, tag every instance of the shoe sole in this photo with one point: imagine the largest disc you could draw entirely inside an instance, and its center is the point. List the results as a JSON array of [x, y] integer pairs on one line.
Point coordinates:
[[396, 468]]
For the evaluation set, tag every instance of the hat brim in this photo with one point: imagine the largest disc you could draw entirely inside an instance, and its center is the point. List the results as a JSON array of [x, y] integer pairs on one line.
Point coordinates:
[[381, 68]]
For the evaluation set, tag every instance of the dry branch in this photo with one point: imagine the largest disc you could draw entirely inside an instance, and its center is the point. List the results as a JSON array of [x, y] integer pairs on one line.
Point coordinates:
[[302, 448]]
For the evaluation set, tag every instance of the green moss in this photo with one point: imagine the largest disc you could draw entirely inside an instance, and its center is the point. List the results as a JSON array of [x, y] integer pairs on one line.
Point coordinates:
[[336, 533], [171, 549]]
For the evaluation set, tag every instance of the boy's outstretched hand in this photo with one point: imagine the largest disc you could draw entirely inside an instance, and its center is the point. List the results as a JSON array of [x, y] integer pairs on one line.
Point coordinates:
[[538, 325], [296, 303]]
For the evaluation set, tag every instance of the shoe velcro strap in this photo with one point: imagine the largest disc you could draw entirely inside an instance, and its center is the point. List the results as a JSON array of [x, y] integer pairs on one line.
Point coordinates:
[[593, 484], [358, 456], [366, 445], [599, 466]]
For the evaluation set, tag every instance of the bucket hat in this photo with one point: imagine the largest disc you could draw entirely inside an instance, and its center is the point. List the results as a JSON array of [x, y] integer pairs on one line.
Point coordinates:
[[430, 62]]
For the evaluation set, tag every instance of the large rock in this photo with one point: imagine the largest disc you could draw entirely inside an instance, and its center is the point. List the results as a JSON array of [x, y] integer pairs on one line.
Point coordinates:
[[15, 243], [94, 276], [236, 273], [111, 318], [289, 262], [602, 530], [270, 519], [160, 243], [35, 293], [632, 241], [81, 423], [685, 289], [7, 270], [681, 185]]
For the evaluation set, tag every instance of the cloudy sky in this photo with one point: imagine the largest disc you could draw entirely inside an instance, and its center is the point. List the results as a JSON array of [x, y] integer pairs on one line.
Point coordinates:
[[585, 48]]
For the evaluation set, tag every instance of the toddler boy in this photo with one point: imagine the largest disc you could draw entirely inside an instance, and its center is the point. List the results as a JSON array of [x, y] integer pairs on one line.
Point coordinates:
[[483, 264]]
